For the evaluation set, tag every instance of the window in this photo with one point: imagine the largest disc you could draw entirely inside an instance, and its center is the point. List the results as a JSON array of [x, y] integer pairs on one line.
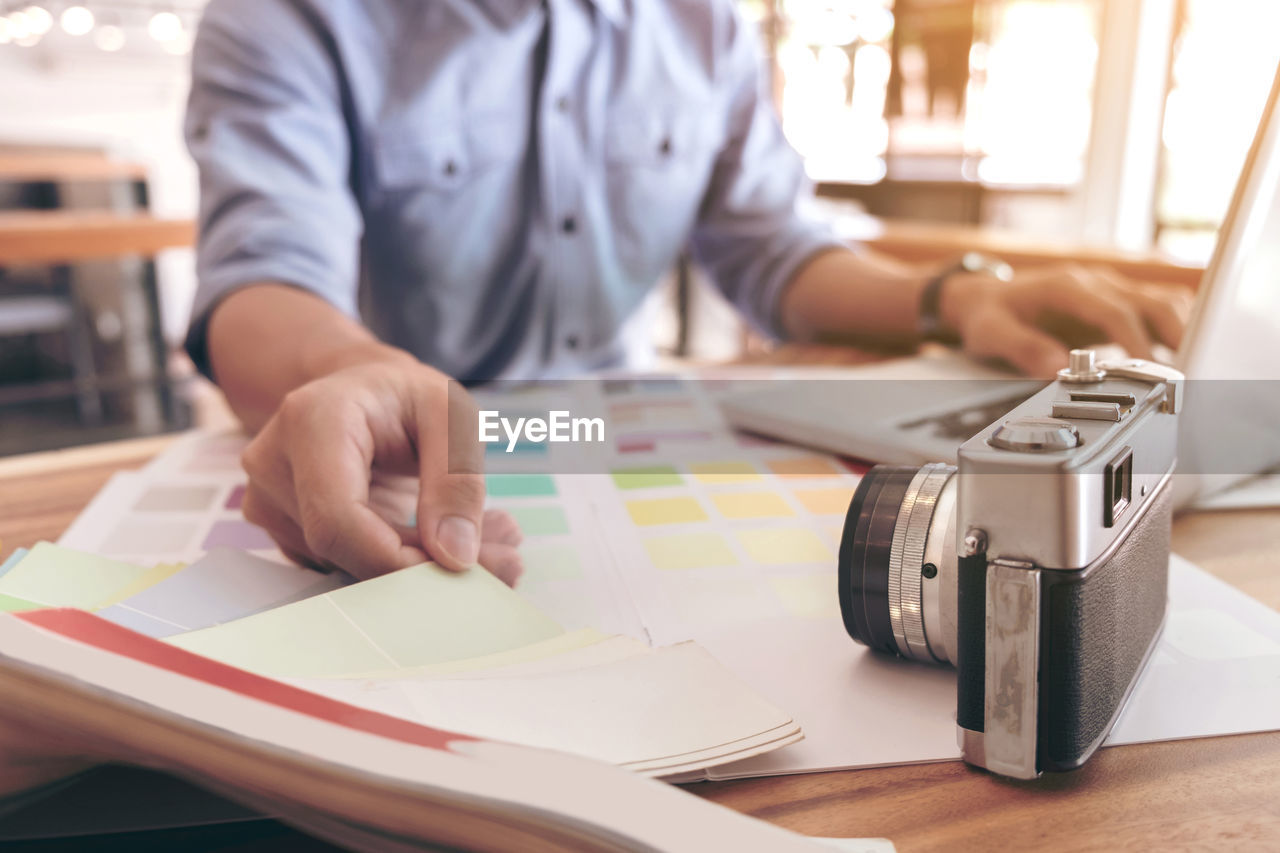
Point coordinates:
[[1224, 61], [997, 91]]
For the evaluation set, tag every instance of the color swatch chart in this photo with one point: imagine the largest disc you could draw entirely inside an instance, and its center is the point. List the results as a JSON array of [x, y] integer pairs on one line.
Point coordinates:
[[713, 545], [693, 528], [182, 505]]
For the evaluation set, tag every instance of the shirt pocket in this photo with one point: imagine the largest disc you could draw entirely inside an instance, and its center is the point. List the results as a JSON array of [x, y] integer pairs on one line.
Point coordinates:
[[659, 161], [441, 199], [444, 159]]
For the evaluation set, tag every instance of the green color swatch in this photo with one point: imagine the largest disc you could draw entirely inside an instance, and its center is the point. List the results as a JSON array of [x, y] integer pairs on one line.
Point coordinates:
[[540, 520], [647, 477], [9, 604], [419, 616], [52, 576], [551, 561], [520, 485]]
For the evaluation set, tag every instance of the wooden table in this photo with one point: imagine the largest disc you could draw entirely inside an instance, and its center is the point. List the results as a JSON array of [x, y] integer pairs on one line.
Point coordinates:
[[55, 165], [1215, 792], [67, 236]]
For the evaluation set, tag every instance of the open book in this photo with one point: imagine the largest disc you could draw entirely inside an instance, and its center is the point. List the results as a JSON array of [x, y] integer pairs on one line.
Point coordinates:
[[459, 651], [79, 689]]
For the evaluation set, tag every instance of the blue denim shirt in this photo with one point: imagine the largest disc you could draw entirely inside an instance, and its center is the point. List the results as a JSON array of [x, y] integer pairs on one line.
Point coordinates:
[[493, 185]]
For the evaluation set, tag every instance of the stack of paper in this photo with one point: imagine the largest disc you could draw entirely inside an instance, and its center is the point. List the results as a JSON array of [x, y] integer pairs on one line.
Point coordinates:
[[459, 651]]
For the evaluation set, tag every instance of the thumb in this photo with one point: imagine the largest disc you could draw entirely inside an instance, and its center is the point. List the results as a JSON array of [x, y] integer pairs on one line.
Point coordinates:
[[450, 465], [998, 333]]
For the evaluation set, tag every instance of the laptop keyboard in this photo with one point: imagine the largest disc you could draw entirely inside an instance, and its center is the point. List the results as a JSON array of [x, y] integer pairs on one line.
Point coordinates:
[[963, 424]]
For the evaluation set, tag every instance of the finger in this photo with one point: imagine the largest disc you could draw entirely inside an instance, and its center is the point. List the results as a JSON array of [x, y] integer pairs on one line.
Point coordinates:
[[997, 333], [397, 503], [450, 459], [258, 508], [268, 468], [1086, 300], [501, 528], [1164, 309], [502, 561], [331, 471]]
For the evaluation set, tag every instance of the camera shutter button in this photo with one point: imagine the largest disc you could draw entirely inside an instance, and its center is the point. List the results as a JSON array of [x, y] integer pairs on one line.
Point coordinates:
[[1035, 435]]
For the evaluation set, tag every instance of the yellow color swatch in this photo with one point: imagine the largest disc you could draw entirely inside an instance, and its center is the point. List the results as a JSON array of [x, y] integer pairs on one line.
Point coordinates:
[[145, 581], [803, 466], [779, 546], [724, 473], [752, 505], [808, 596], [666, 511], [826, 501], [689, 551]]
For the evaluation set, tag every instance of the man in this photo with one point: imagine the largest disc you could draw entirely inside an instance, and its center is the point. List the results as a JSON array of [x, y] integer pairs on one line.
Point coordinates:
[[394, 192]]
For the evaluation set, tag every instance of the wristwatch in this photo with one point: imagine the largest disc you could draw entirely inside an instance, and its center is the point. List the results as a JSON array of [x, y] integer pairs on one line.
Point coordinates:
[[929, 319]]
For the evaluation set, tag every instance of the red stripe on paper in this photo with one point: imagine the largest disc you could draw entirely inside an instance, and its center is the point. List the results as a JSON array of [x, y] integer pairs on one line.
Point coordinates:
[[95, 631]]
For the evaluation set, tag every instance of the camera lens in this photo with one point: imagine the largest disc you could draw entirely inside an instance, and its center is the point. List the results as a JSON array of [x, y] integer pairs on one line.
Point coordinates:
[[897, 572]]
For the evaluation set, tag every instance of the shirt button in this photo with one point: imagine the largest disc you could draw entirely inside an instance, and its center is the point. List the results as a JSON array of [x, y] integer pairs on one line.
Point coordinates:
[[571, 341], [562, 104], [569, 225]]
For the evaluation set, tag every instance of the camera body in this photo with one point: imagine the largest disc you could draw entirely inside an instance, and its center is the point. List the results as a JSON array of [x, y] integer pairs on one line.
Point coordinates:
[[1063, 558], [1038, 567]]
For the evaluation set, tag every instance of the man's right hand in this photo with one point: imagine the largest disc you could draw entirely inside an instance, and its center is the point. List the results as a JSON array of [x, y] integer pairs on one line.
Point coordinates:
[[312, 465]]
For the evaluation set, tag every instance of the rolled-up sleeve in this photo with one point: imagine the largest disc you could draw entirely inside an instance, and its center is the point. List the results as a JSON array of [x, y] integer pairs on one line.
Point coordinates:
[[750, 237], [266, 126]]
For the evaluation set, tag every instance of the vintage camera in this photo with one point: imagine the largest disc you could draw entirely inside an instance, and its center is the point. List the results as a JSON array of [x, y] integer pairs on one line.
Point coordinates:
[[1038, 569]]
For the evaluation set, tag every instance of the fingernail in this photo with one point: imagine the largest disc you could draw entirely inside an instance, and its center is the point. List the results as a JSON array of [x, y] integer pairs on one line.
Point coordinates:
[[459, 537]]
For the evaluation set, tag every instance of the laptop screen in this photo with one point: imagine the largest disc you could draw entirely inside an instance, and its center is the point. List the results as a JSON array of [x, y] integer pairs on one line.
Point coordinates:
[[1235, 330]]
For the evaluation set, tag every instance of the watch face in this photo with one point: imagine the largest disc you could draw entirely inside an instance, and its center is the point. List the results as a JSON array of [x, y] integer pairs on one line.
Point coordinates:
[[994, 267]]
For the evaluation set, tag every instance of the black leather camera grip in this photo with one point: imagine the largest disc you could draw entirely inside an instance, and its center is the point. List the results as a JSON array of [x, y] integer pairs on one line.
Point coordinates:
[[971, 641], [1097, 629]]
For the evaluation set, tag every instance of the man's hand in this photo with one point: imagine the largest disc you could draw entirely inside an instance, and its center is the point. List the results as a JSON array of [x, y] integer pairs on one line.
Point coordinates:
[[337, 472], [353, 441], [1032, 321]]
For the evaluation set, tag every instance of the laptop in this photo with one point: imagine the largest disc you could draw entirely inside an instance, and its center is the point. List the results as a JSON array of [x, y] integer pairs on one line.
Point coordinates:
[[920, 409]]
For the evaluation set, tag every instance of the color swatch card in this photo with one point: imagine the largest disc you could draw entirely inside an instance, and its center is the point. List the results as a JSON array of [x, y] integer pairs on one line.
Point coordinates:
[[706, 546], [160, 600], [656, 711], [567, 560], [221, 586], [146, 517], [415, 617], [464, 650]]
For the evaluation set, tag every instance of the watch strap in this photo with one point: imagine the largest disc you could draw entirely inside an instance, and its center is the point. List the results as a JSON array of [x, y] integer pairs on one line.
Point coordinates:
[[929, 319]]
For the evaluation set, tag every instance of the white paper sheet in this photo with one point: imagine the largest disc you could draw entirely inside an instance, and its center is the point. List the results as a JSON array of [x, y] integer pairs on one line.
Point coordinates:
[[1215, 671]]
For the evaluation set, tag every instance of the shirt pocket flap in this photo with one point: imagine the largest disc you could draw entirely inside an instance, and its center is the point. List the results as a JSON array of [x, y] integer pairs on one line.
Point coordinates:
[[443, 160], [649, 136]]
